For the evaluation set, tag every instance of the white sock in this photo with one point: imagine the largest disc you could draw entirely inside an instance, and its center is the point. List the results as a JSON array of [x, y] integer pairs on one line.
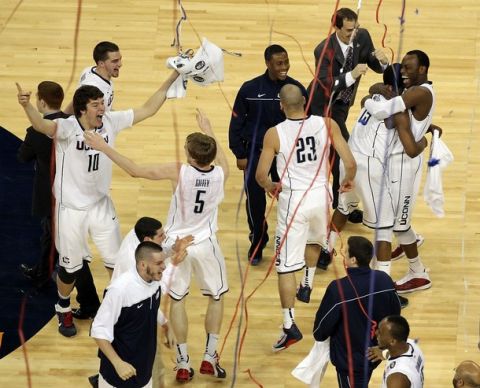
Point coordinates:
[[332, 239], [211, 346], [182, 354], [416, 265], [288, 317], [384, 266], [308, 276]]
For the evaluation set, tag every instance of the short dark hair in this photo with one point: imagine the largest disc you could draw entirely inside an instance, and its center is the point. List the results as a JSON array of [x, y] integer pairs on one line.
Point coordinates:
[[360, 248], [202, 148], [342, 14], [82, 96], [51, 93], [422, 58], [147, 227], [145, 250], [393, 77], [399, 327], [273, 49], [101, 50]]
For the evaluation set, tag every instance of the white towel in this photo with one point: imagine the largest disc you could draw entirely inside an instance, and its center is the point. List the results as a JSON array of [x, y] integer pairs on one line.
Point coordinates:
[[203, 68], [312, 369], [440, 157]]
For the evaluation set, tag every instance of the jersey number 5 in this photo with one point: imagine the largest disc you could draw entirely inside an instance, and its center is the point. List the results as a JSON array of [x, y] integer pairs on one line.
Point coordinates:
[[199, 203], [304, 154]]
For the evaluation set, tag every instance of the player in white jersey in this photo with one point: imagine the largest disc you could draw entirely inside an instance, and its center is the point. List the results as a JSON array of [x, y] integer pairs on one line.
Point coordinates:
[[405, 172], [301, 146], [198, 190], [108, 61], [82, 182], [404, 358]]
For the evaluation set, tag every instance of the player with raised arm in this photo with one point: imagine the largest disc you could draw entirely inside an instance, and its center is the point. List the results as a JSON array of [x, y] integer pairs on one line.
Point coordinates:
[[82, 183], [198, 190]]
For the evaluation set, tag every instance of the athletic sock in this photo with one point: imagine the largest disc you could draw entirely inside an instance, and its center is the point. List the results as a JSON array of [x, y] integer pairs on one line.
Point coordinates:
[[288, 317], [384, 266], [63, 301], [332, 239], [182, 354], [308, 276], [416, 265], [211, 345]]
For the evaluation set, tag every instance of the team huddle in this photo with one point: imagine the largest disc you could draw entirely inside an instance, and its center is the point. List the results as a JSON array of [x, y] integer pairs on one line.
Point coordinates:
[[284, 151]]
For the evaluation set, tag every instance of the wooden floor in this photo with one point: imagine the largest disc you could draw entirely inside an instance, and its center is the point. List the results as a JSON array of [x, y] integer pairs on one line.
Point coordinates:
[[37, 44]]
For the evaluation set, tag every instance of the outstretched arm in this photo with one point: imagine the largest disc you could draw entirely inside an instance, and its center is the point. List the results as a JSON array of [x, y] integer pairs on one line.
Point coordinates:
[[47, 127], [152, 172], [155, 102], [206, 127]]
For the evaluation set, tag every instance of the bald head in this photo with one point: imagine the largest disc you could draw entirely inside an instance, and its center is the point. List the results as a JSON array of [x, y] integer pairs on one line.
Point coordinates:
[[291, 97], [467, 375]]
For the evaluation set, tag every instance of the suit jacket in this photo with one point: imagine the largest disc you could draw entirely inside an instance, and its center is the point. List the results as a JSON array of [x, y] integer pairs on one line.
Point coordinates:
[[331, 79], [38, 147]]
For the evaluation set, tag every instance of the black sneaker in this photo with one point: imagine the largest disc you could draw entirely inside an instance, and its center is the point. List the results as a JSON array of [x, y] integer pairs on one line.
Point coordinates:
[[93, 380], [403, 301], [210, 366], [66, 326], [324, 259], [303, 293], [288, 338], [83, 314], [356, 217]]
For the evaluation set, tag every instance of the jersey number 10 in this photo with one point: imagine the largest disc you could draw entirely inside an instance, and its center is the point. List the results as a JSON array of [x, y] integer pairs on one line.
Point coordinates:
[[93, 162]]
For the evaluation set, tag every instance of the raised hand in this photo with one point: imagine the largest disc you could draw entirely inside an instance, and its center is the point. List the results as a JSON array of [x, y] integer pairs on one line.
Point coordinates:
[[204, 122], [23, 96]]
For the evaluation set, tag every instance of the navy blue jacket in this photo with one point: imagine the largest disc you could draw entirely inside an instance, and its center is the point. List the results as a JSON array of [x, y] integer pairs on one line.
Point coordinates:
[[256, 109], [376, 292]]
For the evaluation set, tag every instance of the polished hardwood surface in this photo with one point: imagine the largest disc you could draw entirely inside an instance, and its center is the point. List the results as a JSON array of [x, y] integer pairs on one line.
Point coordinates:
[[37, 44]]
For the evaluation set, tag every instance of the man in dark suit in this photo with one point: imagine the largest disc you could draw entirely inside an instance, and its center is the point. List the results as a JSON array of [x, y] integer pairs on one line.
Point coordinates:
[[344, 57], [339, 75], [38, 147]]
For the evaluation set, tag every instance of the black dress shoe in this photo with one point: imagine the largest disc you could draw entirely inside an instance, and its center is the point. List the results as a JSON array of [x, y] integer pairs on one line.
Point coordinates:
[[28, 272], [403, 301], [356, 217], [83, 314], [93, 380]]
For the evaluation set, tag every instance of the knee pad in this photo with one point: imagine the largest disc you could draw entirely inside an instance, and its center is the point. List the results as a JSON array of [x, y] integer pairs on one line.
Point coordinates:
[[67, 277], [407, 237], [384, 235]]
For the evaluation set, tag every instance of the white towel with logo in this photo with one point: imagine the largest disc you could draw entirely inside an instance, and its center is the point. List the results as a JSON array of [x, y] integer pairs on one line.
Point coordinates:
[[440, 157], [204, 68], [312, 369]]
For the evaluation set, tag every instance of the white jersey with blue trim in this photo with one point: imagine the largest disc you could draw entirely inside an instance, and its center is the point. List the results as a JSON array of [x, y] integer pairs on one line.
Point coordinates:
[[90, 77], [194, 205], [370, 136], [83, 175], [410, 364], [306, 140], [419, 127]]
